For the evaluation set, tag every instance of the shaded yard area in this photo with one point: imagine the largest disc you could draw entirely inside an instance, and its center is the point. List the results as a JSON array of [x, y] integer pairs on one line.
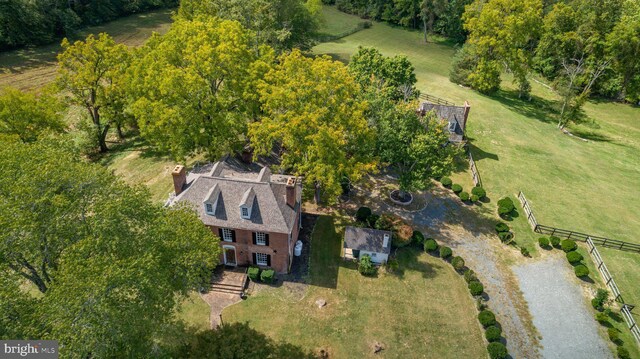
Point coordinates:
[[421, 311]]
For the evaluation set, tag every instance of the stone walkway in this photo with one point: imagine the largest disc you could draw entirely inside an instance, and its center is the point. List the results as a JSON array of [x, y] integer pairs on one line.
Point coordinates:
[[218, 301]]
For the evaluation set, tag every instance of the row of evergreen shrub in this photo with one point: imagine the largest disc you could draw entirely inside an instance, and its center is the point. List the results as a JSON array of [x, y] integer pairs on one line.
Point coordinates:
[[264, 275]]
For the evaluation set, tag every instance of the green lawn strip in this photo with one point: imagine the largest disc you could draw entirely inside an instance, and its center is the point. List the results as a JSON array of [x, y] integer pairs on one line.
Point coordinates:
[[194, 311], [34, 67], [336, 23], [571, 184], [424, 309]]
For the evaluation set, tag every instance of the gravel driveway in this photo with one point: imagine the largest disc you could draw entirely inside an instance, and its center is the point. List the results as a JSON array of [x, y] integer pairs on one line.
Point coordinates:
[[559, 310]]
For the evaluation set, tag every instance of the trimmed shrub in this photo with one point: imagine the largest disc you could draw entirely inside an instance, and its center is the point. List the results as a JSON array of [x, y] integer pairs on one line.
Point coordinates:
[[392, 265], [479, 191], [543, 242], [470, 276], [371, 221], [505, 237], [568, 245], [581, 270], [493, 334], [384, 223], [487, 318], [475, 287], [366, 266], [430, 245], [446, 182], [601, 317], [574, 257], [363, 213], [417, 238], [505, 206], [614, 335], [474, 198], [524, 251], [458, 263], [623, 353], [598, 302], [555, 241], [268, 276], [497, 350], [445, 252], [502, 227], [253, 273], [456, 188], [464, 196]]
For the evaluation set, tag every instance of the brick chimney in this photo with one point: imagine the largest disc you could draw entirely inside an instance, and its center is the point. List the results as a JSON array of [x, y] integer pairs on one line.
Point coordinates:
[[291, 192], [179, 178]]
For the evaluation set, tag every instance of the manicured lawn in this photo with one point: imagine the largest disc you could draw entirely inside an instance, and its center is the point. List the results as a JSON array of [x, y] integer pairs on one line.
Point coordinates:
[[424, 310], [194, 311], [32, 68], [336, 22], [586, 186]]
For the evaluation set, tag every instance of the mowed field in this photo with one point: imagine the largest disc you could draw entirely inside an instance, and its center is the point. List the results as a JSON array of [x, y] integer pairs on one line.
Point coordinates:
[[585, 186], [34, 67], [423, 310]]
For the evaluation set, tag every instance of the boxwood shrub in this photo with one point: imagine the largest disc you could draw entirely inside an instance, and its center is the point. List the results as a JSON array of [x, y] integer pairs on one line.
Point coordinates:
[[614, 335], [366, 266], [430, 245], [417, 238], [497, 350], [474, 198], [581, 270], [253, 273], [544, 242], [446, 182], [456, 188], [476, 288], [574, 257], [524, 251], [505, 237], [555, 241], [493, 333], [458, 263], [363, 213], [470, 276], [502, 227], [487, 318], [505, 206], [623, 353], [371, 221], [445, 252], [479, 191], [268, 276], [568, 245], [464, 196]]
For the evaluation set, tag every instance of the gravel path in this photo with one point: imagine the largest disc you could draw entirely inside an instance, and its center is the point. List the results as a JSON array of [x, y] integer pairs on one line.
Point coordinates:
[[559, 310]]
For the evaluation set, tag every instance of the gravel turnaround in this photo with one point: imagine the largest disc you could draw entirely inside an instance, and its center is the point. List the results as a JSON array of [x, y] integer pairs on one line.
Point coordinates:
[[559, 310]]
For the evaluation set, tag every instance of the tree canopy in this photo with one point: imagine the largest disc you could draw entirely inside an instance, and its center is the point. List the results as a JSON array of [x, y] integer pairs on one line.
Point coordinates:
[[26, 117], [194, 87], [107, 261], [313, 111]]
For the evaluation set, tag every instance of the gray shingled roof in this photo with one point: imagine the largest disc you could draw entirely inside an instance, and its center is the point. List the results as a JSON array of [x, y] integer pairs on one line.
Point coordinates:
[[452, 114], [270, 212], [366, 239]]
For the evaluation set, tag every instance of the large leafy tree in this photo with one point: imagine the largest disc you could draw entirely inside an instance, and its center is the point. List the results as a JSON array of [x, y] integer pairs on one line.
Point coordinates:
[[396, 74], [25, 116], [194, 87], [415, 147], [90, 74], [623, 46], [502, 32], [281, 24], [312, 109], [110, 263]]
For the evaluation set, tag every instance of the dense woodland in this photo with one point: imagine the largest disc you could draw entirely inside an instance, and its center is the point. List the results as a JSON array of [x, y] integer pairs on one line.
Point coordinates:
[[27, 22]]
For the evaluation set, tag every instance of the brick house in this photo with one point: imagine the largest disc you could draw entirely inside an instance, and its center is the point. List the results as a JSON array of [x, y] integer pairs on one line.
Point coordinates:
[[256, 214]]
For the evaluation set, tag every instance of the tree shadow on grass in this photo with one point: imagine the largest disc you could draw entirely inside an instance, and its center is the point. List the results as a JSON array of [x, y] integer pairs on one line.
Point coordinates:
[[479, 154], [408, 260], [537, 108]]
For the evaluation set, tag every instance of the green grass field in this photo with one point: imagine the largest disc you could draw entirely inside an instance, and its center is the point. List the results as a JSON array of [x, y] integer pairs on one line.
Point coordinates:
[[34, 67], [585, 186], [337, 23], [424, 310]]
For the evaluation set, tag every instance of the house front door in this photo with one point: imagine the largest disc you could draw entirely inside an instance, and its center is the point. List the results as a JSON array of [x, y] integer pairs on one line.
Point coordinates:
[[230, 256]]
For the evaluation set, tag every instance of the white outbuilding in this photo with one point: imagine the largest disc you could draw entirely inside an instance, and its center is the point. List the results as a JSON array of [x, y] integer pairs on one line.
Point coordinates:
[[372, 242]]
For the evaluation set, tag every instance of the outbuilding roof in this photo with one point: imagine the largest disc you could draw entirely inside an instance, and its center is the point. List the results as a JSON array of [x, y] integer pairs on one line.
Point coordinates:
[[367, 239]]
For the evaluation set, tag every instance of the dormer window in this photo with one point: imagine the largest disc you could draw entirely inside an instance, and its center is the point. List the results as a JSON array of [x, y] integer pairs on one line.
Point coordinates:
[[246, 204], [211, 200]]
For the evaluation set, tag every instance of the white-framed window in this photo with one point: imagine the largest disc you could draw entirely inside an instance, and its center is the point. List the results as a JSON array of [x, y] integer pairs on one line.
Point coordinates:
[[373, 255], [261, 239], [227, 235], [244, 212], [261, 259], [208, 207]]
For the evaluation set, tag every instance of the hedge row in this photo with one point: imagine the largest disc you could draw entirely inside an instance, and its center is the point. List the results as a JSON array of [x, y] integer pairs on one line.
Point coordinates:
[[266, 275], [477, 193]]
